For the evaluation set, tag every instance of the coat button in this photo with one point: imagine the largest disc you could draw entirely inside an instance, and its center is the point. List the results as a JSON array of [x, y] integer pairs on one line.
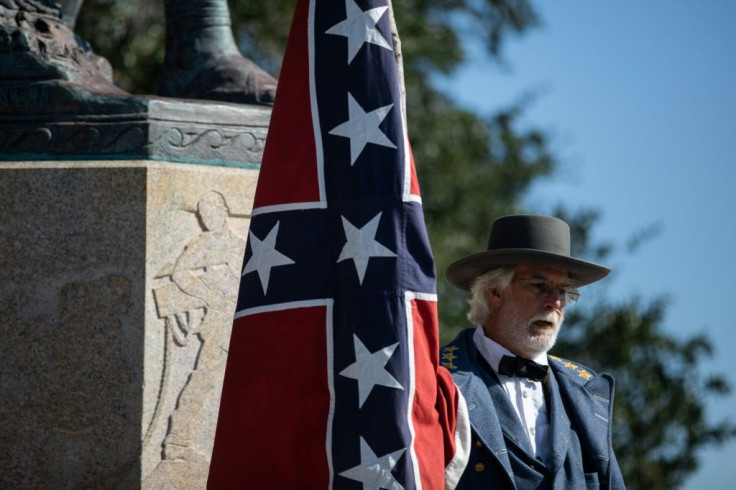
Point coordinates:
[[479, 467], [478, 443]]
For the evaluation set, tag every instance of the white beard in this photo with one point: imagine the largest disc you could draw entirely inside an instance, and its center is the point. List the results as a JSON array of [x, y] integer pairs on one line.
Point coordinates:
[[519, 334]]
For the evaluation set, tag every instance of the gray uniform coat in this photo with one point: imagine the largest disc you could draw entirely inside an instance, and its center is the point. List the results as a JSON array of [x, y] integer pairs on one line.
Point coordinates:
[[580, 406]]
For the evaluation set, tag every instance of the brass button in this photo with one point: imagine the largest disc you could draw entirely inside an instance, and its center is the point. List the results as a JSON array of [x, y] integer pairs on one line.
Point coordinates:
[[478, 443], [479, 467]]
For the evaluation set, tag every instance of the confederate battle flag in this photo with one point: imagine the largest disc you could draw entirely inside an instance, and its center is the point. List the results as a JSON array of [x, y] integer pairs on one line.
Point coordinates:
[[332, 378]]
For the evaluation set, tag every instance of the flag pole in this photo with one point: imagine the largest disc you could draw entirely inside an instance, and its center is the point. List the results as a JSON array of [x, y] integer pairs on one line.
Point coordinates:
[[396, 41]]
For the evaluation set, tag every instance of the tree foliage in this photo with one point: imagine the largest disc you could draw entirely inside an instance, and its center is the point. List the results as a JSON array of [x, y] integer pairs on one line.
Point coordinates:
[[474, 168], [659, 409], [130, 34]]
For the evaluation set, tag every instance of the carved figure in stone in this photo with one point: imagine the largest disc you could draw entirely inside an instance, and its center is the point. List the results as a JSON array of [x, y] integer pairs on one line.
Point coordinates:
[[202, 60], [199, 303]]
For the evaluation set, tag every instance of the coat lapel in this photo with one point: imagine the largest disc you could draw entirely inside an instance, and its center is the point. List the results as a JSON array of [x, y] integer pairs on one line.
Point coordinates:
[[507, 416], [483, 418], [559, 425], [474, 383], [591, 405]]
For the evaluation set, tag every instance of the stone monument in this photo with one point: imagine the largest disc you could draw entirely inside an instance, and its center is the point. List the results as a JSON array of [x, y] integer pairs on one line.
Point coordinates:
[[123, 222]]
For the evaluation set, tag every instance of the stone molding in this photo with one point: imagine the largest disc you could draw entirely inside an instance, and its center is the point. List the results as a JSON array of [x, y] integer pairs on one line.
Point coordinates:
[[174, 130]]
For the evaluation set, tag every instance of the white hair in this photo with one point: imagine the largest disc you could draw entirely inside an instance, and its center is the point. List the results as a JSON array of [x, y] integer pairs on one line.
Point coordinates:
[[498, 279]]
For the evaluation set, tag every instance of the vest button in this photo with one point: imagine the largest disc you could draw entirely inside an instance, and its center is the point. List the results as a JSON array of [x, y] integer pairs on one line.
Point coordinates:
[[479, 467], [478, 443]]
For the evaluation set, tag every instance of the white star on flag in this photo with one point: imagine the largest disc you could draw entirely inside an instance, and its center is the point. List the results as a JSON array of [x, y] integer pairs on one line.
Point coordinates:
[[362, 245], [362, 128], [265, 256], [369, 369], [374, 472], [359, 28]]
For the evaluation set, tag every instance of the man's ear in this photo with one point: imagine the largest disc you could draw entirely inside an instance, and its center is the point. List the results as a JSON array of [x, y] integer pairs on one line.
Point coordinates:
[[494, 297]]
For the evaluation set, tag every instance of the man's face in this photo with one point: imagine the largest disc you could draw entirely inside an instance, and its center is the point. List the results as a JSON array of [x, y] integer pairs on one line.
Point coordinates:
[[527, 317]]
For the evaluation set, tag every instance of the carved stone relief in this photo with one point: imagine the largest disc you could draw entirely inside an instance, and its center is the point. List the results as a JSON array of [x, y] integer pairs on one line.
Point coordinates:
[[195, 296]]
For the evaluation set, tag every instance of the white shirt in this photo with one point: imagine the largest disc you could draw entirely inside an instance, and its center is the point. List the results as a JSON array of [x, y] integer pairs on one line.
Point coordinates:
[[526, 396]]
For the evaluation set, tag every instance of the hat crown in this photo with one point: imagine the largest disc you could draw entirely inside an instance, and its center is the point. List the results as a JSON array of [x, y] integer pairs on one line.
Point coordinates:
[[525, 239], [543, 233]]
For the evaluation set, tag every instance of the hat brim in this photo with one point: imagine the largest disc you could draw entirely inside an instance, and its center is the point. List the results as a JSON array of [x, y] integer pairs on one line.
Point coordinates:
[[463, 272]]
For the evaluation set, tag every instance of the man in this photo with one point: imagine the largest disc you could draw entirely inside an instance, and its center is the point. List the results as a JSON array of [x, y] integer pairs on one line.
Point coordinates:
[[537, 421]]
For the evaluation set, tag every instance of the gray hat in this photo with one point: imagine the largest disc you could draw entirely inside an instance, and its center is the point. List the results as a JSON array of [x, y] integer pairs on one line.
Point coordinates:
[[525, 239]]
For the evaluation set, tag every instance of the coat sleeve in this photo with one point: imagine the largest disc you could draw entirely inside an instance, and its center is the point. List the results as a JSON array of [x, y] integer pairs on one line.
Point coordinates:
[[453, 414]]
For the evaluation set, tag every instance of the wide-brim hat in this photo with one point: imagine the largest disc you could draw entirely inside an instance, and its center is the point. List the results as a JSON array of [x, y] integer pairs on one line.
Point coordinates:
[[525, 239]]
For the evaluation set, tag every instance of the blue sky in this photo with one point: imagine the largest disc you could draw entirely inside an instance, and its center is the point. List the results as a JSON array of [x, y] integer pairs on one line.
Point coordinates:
[[640, 100]]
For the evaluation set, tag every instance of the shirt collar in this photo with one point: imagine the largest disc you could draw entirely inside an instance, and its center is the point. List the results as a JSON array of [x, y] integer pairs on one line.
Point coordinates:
[[492, 351]]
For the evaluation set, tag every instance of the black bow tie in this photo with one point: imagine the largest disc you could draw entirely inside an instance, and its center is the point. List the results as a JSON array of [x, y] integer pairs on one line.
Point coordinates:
[[523, 368]]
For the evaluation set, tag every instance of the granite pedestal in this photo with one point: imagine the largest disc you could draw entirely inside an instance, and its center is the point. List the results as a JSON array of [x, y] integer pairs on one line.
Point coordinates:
[[119, 270]]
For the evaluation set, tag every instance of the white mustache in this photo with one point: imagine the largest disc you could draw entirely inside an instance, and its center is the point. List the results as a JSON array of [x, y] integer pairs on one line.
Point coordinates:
[[551, 317]]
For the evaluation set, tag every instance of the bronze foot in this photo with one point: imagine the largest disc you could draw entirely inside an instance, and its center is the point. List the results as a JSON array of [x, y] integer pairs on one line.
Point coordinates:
[[227, 78]]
